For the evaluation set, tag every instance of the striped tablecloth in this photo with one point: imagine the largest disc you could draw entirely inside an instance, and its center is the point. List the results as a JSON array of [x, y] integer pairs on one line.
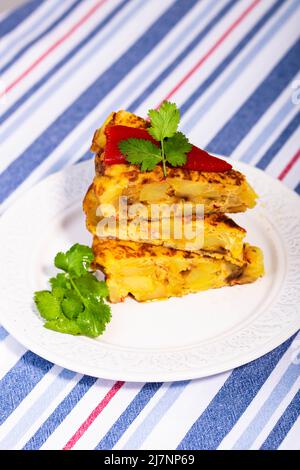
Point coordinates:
[[232, 68]]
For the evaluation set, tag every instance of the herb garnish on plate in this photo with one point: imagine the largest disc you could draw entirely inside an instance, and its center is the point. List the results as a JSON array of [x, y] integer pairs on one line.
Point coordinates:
[[75, 304]]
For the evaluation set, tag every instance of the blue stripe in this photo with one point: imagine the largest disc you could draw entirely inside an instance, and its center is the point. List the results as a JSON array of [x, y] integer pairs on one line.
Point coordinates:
[[70, 55], [283, 425], [3, 333], [262, 417], [153, 418], [36, 409], [39, 150], [200, 112], [279, 142], [229, 137], [229, 58], [128, 416], [60, 413], [31, 43], [188, 49], [231, 401], [15, 18], [19, 39], [268, 130], [86, 156], [19, 381], [297, 189]]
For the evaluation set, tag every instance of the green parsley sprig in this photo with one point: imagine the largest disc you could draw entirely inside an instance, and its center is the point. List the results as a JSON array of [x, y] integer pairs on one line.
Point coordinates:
[[174, 145], [75, 304]]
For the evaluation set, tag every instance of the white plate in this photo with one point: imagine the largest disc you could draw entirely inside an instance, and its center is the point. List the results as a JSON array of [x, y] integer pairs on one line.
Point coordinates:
[[181, 338]]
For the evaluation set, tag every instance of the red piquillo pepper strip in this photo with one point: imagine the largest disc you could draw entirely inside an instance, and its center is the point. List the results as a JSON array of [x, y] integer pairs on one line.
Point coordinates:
[[200, 160], [114, 135], [197, 159]]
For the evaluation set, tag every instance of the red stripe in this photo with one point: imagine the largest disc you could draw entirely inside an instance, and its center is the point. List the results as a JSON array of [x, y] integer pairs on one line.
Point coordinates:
[[91, 418], [212, 49], [54, 46], [289, 165]]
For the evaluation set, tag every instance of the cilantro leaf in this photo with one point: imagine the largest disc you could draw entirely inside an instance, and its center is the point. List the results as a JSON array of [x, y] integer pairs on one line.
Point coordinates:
[[47, 305], [163, 127], [176, 149], [141, 152], [76, 303], [71, 305], [63, 325], [164, 121], [61, 261], [75, 261], [58, 293], [92, 321], [89, 287], [61, 280]]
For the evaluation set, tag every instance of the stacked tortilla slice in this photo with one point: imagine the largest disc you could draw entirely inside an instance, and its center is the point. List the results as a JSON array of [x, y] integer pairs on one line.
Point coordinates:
[[143, 256]]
